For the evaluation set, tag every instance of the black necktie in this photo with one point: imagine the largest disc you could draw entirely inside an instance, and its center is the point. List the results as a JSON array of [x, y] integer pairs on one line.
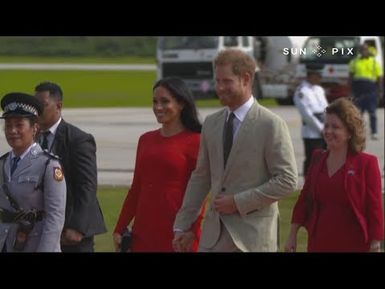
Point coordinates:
[[15, 161], [228, 137], [44, 144]]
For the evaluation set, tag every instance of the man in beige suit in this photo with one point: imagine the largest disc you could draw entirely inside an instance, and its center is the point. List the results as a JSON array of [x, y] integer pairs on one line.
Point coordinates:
[[247, 171]]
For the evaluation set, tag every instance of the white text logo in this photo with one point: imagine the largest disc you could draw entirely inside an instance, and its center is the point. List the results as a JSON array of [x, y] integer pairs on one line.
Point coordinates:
[[319, 51]]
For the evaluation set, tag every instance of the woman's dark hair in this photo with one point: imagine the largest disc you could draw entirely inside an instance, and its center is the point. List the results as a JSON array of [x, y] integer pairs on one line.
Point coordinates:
[[179, 90]]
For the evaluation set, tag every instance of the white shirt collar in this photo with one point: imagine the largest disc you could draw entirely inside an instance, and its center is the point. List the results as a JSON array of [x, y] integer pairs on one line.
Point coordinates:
[[53, 128], [241, 111], [24, 153]]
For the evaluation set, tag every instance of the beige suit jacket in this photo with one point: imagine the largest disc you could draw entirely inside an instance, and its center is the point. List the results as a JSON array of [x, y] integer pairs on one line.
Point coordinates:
[[261, 164]]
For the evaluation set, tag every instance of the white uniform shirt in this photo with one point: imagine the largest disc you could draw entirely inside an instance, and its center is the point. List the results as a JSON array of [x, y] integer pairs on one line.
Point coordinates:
[[310, 99]]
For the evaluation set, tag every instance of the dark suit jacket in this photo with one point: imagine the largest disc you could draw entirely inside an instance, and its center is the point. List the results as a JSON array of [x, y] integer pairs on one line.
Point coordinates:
[[363, 185], [77, 151]]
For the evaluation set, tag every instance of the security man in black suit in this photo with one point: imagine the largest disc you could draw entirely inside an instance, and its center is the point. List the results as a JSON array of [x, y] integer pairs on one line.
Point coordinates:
[[77, 150]]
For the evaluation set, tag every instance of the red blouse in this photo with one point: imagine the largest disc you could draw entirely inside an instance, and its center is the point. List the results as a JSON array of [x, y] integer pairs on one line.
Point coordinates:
[[162, 170]]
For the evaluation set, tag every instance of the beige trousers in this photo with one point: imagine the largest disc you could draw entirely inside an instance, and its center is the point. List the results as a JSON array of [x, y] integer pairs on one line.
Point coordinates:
[[224, 244]]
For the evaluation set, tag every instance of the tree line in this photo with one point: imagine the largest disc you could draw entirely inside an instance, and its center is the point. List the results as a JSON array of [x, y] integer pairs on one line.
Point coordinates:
[[99, 46]]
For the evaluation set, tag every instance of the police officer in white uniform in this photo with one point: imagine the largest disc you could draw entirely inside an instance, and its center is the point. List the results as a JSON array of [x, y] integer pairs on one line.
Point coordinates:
[[311, 102], [33, 188]]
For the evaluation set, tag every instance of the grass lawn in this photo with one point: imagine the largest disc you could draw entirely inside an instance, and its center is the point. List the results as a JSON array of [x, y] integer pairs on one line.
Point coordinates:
[[92, 88], [111, 200], [87, 88], [80, 59], [286, 206], [95, 88]]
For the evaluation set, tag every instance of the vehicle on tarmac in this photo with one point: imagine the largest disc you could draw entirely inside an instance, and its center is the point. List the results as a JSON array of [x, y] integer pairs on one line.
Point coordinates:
[[333, 54], [191, 58]]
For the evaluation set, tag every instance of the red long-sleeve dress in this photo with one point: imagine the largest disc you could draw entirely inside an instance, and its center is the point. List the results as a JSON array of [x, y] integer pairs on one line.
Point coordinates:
[[162, 170], [342, 212], [338, 229]]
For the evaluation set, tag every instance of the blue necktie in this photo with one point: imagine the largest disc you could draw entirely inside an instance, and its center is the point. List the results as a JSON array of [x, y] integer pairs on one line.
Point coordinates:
[[15, 161]]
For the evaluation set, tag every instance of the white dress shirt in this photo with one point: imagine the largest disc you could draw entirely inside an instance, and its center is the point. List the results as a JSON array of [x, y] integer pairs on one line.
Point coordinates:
[[240, 114], [51, 136]]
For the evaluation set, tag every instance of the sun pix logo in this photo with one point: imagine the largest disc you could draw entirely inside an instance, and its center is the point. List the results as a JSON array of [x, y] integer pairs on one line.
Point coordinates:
[[319, 51]]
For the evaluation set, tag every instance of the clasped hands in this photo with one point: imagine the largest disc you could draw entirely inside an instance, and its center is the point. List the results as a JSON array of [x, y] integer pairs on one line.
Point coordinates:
[[71, 237], [183, 241], [223, 204]]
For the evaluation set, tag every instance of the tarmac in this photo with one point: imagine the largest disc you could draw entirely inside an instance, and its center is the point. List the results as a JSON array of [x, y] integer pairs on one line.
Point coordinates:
[[117, 130]]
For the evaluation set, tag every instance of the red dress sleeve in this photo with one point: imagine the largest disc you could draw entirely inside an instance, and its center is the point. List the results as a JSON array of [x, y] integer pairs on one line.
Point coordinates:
[[300, 212], [302, 207], [128, 210], [374, 208]]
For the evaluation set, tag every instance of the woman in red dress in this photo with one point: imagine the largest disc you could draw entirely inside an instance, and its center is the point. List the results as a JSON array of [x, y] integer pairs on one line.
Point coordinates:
[[165, 159], [340, 204]]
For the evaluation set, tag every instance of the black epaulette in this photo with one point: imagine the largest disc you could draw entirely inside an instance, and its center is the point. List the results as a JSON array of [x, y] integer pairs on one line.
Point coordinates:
[[4, 156], [51, 155]]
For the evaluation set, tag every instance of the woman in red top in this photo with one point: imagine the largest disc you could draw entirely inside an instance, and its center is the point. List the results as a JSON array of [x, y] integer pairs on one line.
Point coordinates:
[[340, 204], [165, 160]]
